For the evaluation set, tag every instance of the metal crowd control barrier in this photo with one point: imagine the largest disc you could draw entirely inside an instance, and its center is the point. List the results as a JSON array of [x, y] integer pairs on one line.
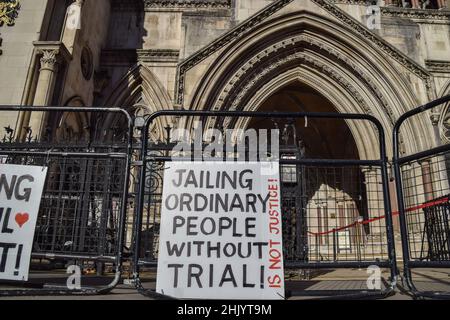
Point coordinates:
[[422, 182], [83, 210], [352, 230]]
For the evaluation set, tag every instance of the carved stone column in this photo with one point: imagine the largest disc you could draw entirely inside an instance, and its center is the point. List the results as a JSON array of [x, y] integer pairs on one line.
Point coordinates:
[[49, 67], [45, 88]]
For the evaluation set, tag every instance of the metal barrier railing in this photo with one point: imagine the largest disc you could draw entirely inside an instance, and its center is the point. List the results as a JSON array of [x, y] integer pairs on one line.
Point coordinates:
[[83, 210], [361, 237], [422, 182]]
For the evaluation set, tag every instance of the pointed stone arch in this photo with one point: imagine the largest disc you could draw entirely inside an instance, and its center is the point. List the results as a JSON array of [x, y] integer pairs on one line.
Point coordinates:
[[139, 80], [328, 52], [141, 93]]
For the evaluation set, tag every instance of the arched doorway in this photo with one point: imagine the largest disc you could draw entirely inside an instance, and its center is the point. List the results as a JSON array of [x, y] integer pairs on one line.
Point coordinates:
[[338, 62], [140, 93], [317, 200]]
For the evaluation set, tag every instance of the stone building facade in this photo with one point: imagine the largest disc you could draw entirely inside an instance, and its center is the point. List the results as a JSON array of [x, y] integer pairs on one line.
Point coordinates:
[[345, 56], [227, 55]]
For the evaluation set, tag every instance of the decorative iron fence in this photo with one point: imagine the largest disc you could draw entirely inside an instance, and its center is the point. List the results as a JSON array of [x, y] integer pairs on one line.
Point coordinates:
[[422, 182], [83, 210]]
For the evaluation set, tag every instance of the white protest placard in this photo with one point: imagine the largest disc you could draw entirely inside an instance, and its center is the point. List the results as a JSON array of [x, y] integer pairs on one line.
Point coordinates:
[[220, 232], [20, 196]]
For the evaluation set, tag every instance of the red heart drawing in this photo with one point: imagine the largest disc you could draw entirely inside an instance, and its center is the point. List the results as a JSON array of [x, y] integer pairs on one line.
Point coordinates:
[[22, 218]]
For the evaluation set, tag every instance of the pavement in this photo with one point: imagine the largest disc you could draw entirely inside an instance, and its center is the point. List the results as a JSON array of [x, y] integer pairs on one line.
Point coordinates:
[[318, 284]]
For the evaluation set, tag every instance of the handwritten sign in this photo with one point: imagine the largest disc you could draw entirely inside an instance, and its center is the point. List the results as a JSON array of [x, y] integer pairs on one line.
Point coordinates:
[[20, 195], [221, 234]]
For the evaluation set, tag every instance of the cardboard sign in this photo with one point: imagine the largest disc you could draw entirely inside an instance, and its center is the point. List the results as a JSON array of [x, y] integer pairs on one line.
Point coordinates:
[[221, 234], [20, 196]]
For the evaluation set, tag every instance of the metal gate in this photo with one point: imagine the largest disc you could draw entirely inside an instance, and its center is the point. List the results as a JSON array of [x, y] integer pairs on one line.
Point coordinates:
[[83, 211], [423, 188], [336, 212]]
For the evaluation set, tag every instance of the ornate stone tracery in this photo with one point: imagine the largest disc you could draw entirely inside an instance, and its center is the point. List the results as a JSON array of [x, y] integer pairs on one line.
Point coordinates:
[[217, 4], [140, 92], [374, 38], [311, 44], [442, 16], [244, 84], [48, 59], [9, 11], [407, 5], [230, 36], [441, 116]]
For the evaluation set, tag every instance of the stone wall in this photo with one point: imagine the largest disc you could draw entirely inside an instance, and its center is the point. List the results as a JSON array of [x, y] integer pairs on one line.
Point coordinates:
[[93, 37], [17, 51], [187, 27]]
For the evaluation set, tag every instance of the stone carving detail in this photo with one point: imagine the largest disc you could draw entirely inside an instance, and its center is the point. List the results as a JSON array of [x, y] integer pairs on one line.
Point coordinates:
[[130, 56], [360, 2], [444, 125], [404, 8], [9, 10], [259, 70], [302, 58], [158, 55], [87, 63], [429, 14], [223, 41], [375, 39], [217, 4], [49, 59], [250, 24]]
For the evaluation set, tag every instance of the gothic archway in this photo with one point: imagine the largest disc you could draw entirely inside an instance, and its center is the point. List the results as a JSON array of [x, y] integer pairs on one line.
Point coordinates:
[[350, 71], [140, 93]]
